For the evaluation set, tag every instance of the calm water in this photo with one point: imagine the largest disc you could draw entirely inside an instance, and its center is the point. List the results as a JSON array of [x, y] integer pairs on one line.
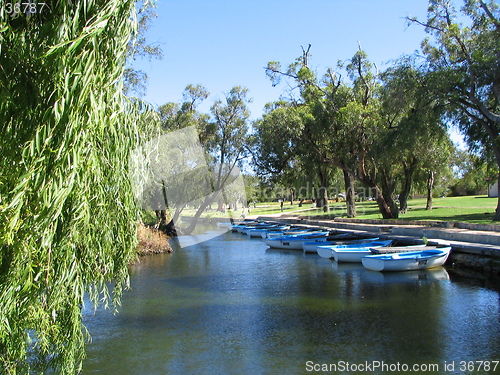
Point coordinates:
[[232, 306]]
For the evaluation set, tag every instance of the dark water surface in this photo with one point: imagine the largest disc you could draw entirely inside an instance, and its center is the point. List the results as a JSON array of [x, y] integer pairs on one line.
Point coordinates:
[[232, 306]]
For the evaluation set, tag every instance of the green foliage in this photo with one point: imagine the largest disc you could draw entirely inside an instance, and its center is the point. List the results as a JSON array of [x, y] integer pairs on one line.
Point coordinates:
[[229, 140], [67, 211], [472, 174], [139, 48], [464, 60]]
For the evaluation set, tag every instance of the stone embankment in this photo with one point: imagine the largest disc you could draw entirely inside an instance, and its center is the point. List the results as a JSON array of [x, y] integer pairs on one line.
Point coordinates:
[[474, 246]]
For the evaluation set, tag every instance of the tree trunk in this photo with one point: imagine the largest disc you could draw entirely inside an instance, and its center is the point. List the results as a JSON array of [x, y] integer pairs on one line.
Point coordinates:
[[161, 215], [170, 229], [167, 227], [322, 199], [388, 210], [385, 209], [350, 197], [430, 185], [405, 191], [388, 187], [497, 210]]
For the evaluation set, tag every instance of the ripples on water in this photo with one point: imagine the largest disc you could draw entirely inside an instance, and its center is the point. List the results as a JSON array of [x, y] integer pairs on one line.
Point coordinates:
[[231, 305]]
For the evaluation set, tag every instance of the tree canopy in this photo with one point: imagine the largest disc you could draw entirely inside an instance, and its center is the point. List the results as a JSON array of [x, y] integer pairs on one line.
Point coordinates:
[[464, 59], [67, 208]]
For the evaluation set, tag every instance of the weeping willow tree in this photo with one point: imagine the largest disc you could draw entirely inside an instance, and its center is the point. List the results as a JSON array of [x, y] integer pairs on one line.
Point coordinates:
[[67, 211]]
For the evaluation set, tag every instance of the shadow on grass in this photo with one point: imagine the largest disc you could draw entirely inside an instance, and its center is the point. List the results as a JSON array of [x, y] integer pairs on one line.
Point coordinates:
[[371, 211], [441, 214]]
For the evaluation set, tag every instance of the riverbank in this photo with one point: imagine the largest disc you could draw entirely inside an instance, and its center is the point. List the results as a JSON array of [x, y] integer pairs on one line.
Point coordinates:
[[474, 247], [152, 241]]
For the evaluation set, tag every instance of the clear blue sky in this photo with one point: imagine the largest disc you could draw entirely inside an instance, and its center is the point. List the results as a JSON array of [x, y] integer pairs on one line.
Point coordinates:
[[223, 43]]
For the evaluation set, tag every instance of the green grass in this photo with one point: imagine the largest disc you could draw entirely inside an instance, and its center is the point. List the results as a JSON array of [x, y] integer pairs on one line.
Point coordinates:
[[470, 209]]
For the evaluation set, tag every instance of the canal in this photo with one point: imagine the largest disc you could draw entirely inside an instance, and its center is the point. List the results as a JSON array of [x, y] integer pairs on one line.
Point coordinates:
[[231, 305]]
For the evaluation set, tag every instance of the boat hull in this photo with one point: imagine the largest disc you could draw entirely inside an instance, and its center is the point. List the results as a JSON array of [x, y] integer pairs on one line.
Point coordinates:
[[288, 232], [350, 256], [414, 260], [312, 246], [350, 251], [325, 251], [294, 242], [258, 232], [402, 249]]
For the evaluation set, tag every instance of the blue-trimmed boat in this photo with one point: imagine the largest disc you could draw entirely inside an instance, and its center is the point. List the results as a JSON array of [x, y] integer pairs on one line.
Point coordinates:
[[412, 260], [338, 239], [257, 232], [294, 241], [361, 246], [354, 252]]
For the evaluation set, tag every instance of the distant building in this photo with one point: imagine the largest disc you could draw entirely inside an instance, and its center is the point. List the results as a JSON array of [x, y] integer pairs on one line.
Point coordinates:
[[493, 190]]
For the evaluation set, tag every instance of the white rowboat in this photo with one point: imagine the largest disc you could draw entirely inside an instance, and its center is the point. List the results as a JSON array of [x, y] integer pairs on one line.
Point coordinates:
[[413, 260], [294, 242], [354, 253]]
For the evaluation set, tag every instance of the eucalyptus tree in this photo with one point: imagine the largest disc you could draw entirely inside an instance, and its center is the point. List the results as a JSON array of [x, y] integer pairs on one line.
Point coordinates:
[[343, 123], [318, 101], [173, 118], [67, 208], [415, 135], [365, 131], [279, 154], [435, 164], [465, 60], [275, 141], [226, 143]]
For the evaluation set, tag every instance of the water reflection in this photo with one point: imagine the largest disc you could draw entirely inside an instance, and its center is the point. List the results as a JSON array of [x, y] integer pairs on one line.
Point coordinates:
[[418, 276], [231, 305]]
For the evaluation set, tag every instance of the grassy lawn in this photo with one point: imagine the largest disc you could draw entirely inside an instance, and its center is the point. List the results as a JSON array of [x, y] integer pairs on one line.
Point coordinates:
[[471, 209]]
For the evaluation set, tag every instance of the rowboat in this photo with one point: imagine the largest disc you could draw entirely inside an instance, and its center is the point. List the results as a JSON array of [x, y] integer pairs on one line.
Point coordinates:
[[403, 249], [351, 251], [310, 246], [336, 239], [295, 241], [257, 225], [241, 225], [257, 232], [413, 260], [289, 232], [325, 251]]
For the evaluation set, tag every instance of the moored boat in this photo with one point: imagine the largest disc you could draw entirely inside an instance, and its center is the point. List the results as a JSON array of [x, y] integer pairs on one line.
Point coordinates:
[[257, 232], [256, 225], [242, 224], [358, 245], [412, 260], [295, 241], [403, 249], [248, 228], [289, 232], [352, 253]]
